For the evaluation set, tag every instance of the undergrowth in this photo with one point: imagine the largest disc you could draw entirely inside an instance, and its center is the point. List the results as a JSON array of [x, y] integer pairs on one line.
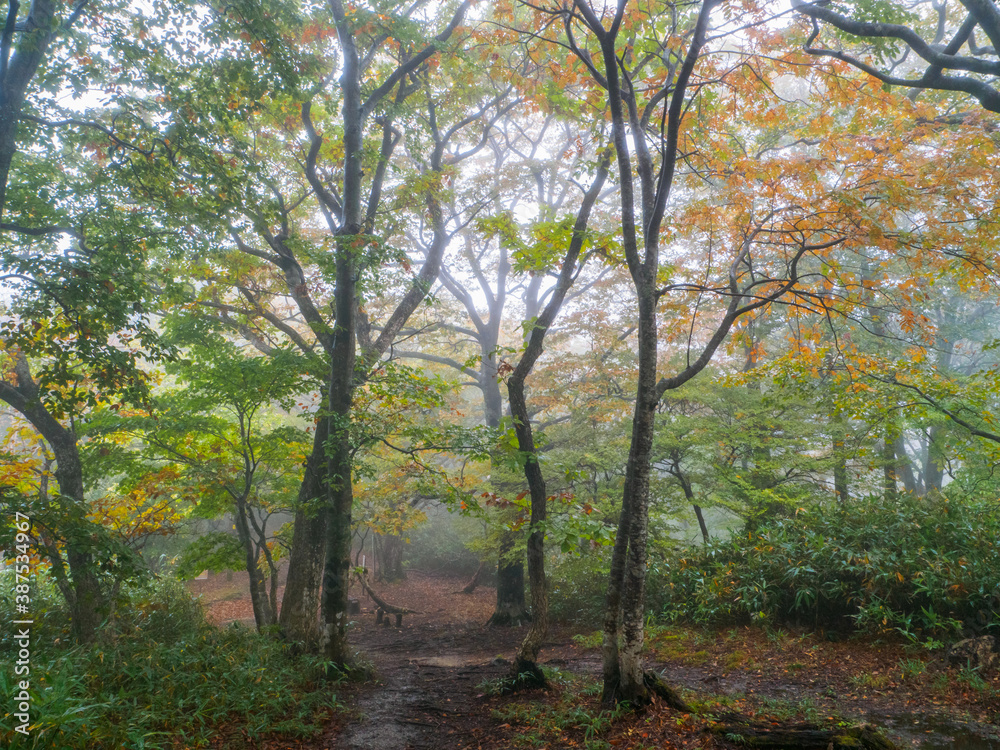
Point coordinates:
[[157, 673], [928, 569], [573, 718]]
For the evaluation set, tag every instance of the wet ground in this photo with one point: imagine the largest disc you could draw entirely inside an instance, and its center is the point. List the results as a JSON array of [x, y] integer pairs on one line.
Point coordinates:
[[434, 675]]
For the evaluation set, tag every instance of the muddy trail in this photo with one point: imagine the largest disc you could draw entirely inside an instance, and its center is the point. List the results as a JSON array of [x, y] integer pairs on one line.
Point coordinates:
[[429, 687], [433, 674]]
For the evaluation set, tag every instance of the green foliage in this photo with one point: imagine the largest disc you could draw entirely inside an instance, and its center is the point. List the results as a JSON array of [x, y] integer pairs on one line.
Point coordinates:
[[159, 673], [878, 11], [215, 551], [62, 521], [577, 586], [541, 724], [919, 566]]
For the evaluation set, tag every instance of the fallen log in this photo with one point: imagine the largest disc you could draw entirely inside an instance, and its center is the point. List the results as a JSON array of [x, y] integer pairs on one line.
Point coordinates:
[[383, 606]]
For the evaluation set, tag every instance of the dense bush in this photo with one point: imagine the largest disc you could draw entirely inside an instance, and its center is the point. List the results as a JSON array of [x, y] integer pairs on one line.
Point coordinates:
[[157, 672], [923, 567], [577, 586]]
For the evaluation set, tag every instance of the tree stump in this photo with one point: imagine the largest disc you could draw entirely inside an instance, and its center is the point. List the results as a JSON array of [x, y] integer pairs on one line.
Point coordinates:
[[471, 585]]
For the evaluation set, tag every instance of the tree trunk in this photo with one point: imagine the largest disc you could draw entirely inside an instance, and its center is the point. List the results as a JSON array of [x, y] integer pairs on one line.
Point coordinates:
[[934, 463], [903, 467], [263, 614], [390, 564], [689, 495], [511, 608], [841, 486], [889, 490], [625, 598], [8, 145], [299, 617], [87, 601], [337, 563], [40, 25], [89, 605], [701, 522], [525, 670]]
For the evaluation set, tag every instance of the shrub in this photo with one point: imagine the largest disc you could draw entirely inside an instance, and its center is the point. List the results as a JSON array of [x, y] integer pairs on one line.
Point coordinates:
[[159, 672], [577, 586], [916, 565]]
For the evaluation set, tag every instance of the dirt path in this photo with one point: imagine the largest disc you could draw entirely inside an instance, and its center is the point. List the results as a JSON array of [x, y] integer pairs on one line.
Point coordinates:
[[429, 678], [431, 673]]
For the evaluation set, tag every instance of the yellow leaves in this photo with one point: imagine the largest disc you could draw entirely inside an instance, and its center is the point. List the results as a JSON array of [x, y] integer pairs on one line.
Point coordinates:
[[149, 509]]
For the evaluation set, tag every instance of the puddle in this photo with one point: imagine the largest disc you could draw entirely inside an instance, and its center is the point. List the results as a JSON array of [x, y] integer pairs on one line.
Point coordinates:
[[934, 733], [451, 662]]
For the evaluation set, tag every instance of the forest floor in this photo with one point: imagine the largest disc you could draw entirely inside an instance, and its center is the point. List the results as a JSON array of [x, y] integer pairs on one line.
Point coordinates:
[[435, 678]]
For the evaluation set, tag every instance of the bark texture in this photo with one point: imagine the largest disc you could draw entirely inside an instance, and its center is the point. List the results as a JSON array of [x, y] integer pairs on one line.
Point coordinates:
[[299, 618], [39, 27], [354, 219]]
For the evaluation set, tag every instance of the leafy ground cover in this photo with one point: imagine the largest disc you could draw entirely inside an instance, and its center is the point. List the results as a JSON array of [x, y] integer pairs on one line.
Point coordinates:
[[162, 677]]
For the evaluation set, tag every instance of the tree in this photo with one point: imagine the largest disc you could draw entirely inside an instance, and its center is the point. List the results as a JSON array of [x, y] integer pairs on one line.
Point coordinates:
[[751, 202], [72, 252], [24, 47], [215, 444], [570, 266], [902, 36], [295, 197], [935, 50], [499, 265]]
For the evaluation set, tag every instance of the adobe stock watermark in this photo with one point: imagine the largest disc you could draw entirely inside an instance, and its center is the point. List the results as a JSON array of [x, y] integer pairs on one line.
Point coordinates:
[[22, 632]]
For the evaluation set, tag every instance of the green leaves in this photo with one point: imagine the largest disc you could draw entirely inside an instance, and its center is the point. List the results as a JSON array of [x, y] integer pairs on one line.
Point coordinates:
[[923, 565], [215, 551]]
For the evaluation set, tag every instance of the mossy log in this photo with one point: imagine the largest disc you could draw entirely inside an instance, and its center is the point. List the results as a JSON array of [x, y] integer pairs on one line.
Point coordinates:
[[801, 736]]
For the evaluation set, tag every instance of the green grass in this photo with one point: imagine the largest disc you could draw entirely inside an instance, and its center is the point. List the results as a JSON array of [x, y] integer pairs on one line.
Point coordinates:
[[541, 724], [161, 672]]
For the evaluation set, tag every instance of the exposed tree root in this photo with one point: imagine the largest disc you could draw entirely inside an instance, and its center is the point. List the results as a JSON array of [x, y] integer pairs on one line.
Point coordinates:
[[800, 736], [664, 692], [524, 675]]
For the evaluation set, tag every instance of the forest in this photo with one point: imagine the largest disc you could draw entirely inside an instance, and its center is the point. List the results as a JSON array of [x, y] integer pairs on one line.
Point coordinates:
[[511, 374]]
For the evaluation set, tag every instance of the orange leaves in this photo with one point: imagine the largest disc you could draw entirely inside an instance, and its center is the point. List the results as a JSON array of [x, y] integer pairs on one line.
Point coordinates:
[[317, 32]]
